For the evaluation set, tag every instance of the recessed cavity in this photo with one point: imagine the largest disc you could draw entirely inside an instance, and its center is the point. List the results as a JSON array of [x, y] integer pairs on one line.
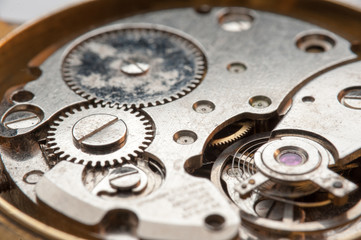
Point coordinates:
[[235, 19], [185, 137], [308, 99], [214, 222], [203, 9], [204, 106], [260, 102], [22, 96], [236, 67], [315, 43], [33, 177]]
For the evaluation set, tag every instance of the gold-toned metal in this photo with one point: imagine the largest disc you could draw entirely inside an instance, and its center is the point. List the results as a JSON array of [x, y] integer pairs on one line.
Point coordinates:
[[244, 128], [5, 28]]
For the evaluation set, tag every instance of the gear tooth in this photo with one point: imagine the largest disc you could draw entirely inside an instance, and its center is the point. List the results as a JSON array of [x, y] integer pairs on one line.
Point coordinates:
[[57, 151], [62, 155]]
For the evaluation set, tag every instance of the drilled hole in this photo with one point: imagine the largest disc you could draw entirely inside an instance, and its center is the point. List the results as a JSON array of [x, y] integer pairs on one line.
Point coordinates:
[[33, 177], [185, 137], [315, 43], [260, 102], [22, 96], [204, 106], [203, 9], [308, 99], [215, 222], [236, 67]]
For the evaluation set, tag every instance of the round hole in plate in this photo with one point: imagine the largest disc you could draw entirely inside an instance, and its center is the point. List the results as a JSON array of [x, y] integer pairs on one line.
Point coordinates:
[[235, 19], [308, 99], [260, 102], [33, 177], [204, 106], [214, 222], [236, 67], [203, 9], [315, 43], [185, 137], [22, 96]]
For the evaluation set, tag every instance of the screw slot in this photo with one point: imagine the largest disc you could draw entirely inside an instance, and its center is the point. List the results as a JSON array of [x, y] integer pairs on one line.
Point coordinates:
[[315, 43], [22, 116], [215, 222], [235, 19], [185, 137], [351, 97]]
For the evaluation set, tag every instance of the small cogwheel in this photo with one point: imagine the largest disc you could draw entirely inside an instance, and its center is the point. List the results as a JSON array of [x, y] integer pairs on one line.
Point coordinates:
[[134, 66], [99, 135], [231, 133]]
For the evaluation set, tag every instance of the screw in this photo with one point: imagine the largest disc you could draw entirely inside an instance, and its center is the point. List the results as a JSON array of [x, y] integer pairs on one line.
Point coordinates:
[[135, 68], [21, 119], [352, 98], [99, 132], [252, 181], [124, 178]]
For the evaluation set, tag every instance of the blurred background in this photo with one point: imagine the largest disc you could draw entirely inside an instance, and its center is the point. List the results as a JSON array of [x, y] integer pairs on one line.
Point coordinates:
[[16, 12]]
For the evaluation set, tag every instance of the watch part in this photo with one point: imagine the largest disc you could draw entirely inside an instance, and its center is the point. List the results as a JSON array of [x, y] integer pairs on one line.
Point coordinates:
[[97, 135], [140, 65]]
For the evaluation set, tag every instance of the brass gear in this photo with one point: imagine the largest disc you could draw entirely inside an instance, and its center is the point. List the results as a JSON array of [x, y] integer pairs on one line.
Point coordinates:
[[244, 128]]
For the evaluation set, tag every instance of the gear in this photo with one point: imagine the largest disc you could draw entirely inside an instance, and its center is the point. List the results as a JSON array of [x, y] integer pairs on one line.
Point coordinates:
[[99, 135], [242, 128], [138, 65]]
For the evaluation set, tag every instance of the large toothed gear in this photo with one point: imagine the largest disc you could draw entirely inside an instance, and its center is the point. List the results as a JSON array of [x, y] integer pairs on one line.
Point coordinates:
[[137, 65], [99, 135]]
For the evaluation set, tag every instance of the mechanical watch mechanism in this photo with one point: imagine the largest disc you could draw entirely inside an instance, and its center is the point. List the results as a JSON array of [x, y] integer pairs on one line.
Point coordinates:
[[207, 123]]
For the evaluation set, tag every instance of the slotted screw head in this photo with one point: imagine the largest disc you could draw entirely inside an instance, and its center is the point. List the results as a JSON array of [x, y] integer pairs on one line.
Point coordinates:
[[99, 132]]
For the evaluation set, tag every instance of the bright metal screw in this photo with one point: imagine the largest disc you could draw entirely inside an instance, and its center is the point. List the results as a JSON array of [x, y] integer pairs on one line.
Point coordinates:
[[135, 68], [99, 132], [124, 178]]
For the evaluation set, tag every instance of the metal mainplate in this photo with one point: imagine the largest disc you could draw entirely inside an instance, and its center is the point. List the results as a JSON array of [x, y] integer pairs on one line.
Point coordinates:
[[265, 75]]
